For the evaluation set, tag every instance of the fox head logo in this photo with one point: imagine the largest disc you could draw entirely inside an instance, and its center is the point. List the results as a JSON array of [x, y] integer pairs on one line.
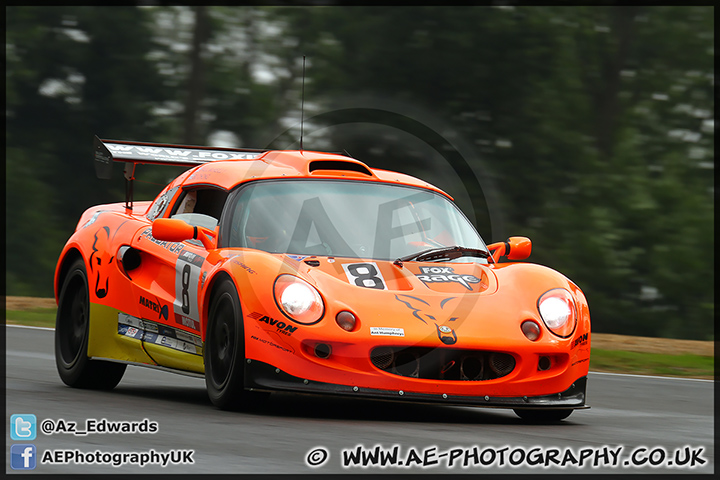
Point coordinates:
[[99, 258], [420, 310]]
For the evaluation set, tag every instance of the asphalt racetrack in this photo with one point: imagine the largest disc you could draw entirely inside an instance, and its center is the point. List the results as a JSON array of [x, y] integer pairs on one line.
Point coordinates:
[[636, 425]]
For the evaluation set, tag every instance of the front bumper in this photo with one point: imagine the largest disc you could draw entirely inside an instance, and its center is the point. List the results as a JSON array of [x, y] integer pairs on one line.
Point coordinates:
[[265, 377]]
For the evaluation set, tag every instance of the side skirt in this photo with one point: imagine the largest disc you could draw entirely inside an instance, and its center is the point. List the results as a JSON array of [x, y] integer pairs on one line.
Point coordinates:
[[155, 367]]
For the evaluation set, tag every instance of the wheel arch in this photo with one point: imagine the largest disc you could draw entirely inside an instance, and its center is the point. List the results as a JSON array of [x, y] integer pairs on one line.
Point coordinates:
[[68, 259], [212, 284]]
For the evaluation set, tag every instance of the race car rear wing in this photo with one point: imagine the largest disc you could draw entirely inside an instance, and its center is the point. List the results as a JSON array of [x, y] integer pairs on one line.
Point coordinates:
[[109, 151], [133, 153]]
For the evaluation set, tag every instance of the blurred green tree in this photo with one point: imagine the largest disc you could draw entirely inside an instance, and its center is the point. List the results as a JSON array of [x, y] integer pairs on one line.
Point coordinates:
[[72, 72], [594, 124]]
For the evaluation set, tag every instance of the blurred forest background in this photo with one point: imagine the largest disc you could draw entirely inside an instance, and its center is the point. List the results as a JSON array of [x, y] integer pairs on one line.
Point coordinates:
[[588, 129]]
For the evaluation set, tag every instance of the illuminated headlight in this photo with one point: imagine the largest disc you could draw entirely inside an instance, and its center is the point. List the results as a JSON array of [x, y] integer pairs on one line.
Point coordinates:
[[557, 309], [299, 300]]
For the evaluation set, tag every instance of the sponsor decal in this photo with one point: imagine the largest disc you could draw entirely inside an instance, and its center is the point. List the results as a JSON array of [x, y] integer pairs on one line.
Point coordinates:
[[187, 322], [151, 332], [176, 154], [445, 275], [161, 310], [158, 206], [161, 204], [387, 331], [420, 310], [172, 343], [191, 258], [102, 157], [172, 247], [581, 340], [185, 337], [580, 361], [205, 173], [442, 333], [242, 265], [298, 258], [268, 342], [130, 321], [282, 327]]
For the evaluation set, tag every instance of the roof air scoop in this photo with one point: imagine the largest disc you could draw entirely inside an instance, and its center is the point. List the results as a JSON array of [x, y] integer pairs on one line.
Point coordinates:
[[339, 166]]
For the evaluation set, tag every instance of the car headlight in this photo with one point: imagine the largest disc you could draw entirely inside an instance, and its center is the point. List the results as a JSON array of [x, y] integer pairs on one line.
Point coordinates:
[[298, 300], [557, 310]]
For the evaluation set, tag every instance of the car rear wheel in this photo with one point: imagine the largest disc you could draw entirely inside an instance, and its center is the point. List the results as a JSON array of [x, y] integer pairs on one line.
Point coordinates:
[[543, 416], [224, 352], [72, 327]]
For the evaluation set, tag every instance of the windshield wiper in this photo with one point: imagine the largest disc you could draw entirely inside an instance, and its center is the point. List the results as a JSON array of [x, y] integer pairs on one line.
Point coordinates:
[[442, 253]]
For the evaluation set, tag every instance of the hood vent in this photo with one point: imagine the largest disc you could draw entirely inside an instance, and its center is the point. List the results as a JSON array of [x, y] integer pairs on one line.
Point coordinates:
[[339, 165]]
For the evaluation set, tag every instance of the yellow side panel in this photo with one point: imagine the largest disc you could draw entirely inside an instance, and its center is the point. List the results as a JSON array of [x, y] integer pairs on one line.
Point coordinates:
[[105, 342], [168, 357]]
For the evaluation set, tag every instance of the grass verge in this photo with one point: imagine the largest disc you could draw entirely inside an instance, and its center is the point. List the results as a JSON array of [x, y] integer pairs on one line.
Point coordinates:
[[642, 363], [34, 317]]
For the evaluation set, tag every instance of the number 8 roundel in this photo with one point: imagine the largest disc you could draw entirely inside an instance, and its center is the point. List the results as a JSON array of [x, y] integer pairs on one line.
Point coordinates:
[[365, 275], [187, 278]]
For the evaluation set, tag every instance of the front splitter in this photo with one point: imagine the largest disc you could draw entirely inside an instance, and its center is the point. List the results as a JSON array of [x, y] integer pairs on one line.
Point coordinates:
[[265, 377]]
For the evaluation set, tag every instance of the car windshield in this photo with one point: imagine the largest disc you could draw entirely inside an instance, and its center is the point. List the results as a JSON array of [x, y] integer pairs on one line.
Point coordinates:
[[347, 219]]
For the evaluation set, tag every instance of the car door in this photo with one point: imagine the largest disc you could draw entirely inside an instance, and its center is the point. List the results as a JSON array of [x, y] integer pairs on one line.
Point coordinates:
[[167, 289]]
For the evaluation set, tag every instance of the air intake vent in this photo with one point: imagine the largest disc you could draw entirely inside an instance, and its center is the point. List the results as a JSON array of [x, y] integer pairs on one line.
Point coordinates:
[[442, 363], [339, 165]]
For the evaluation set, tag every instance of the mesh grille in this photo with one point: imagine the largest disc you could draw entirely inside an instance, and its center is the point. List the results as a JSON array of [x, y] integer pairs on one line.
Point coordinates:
[[382, 357], [502, 363]]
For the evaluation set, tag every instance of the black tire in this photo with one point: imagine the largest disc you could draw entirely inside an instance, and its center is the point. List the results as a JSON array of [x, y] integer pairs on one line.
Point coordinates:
[[224, 352], [543, 416], [72, 327]]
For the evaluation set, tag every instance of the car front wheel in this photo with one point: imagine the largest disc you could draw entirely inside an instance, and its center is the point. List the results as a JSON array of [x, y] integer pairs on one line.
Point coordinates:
[[224, 352]]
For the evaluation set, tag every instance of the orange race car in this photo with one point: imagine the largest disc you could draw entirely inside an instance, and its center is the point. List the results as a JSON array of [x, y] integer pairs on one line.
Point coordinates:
[[311, 272]]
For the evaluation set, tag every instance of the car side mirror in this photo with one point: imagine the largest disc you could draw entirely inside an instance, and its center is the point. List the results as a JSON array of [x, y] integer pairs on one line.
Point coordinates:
[[515, 248], [176, 230]]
